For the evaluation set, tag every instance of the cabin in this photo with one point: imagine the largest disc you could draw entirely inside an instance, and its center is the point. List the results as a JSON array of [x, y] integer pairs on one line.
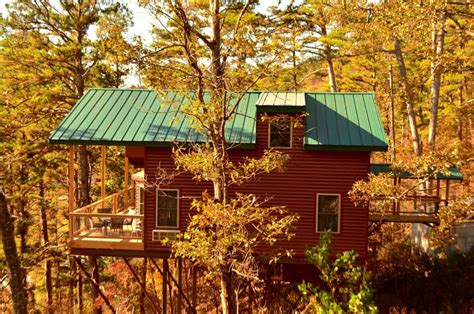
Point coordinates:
[[329, 138], [329, 150]]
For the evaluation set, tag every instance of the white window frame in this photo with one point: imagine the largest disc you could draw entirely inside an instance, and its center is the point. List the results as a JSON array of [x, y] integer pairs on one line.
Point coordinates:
[[338, 211], [140, 200], [291, 135], [177, 209]]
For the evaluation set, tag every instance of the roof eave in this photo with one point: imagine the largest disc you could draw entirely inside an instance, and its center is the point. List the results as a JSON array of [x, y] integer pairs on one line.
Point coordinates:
[[363, 148], [281, 109], [142, 143]]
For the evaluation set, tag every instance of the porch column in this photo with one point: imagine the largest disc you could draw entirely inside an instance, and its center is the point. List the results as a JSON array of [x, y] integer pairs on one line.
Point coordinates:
[[71, 190], [102, 177], [126, 182]]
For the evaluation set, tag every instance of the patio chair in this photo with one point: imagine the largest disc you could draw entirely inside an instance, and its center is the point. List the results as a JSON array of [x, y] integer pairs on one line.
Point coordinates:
[[96, 223], [137, 227], [116, 224], [105, 210], [129, 221]]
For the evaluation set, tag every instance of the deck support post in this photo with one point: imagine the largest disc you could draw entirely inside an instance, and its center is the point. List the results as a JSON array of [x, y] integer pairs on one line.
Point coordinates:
[[126, 182], [71, 191], [194, 284], [180, 283], [96, 285], [437, 201], [165, 273], [102, 173], [164, 281], [95, 282], [142, 295], [142, 285], [446, 197]]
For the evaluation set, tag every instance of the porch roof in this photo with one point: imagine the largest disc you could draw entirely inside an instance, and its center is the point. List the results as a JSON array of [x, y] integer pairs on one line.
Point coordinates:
[[376, 168]]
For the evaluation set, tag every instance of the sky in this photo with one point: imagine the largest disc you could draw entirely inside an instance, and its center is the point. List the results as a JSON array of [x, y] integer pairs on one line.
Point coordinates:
[[142, 24], [142, 20]]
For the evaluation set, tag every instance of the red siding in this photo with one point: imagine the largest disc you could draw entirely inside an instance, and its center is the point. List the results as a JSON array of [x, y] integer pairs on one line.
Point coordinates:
[[136, 155], [308, 173]]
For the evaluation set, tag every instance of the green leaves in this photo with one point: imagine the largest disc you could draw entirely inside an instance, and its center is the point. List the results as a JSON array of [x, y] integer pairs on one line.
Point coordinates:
[[345, 287]]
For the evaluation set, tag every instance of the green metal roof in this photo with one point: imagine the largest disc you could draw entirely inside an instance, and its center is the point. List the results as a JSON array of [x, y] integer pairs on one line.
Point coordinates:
[[337, 121], [146, 118], [375, 168], [341, 120]]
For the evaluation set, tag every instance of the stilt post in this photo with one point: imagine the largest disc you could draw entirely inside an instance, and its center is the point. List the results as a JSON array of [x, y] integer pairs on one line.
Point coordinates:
[[180, 282], [194, 294], [89, 277], [142, 285], [142, 295], [164, 282], [191, 306]]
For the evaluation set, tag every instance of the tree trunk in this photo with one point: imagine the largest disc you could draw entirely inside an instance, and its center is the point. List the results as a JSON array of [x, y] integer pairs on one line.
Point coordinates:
[[436, 72], [393, 151], [44, 231], [408, 97], [459, 115], [330, 65], [72, 276], [79, 292], [17, 274], [295, 78], [94, 288], [228, 301]]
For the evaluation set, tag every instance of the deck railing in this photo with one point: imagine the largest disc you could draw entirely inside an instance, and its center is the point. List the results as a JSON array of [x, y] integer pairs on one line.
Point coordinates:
[[116, 201], [107, 221]]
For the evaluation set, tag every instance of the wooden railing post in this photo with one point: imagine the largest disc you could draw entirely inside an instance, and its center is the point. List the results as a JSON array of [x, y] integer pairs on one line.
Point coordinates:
[[126, 182], [438, 200], [446, 197], [71, 191], [102, 172]]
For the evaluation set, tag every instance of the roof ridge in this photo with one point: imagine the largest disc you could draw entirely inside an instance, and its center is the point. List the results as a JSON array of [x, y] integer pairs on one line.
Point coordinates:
[[249, 91]]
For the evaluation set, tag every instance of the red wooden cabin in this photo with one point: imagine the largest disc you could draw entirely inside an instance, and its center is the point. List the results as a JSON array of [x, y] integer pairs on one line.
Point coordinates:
[[329, 150]]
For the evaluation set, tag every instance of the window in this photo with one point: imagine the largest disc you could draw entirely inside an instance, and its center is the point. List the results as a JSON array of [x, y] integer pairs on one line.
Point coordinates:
[[280, 129], [328, 207], [167, 208]]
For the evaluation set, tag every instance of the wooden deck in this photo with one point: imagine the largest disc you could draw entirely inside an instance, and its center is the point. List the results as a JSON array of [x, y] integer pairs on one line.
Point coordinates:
[[404, 218], [109, 241]]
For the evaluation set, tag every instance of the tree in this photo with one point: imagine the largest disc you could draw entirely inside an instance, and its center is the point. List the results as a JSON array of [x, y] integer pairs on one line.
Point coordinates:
[[17, 273], [48, 61], [345, 287], [207, 37]]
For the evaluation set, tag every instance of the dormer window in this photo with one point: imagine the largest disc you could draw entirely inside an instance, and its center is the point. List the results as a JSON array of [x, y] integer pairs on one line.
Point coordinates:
[[280, 132]]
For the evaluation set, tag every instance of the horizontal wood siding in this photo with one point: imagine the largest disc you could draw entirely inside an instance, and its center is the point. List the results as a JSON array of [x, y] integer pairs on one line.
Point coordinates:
[[136, 155], [308, 173]]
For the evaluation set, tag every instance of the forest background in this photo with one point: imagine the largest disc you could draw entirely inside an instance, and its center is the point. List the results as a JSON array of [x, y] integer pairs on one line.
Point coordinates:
[[416, 56]]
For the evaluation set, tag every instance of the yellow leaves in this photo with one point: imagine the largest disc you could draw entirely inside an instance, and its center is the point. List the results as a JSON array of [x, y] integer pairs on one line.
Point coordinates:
[[206, 164], [221, 234]]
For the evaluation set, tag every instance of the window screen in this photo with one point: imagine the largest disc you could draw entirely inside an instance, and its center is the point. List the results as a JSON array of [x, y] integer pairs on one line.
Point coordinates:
[[328, 213], [167, 208], [280, 132]]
